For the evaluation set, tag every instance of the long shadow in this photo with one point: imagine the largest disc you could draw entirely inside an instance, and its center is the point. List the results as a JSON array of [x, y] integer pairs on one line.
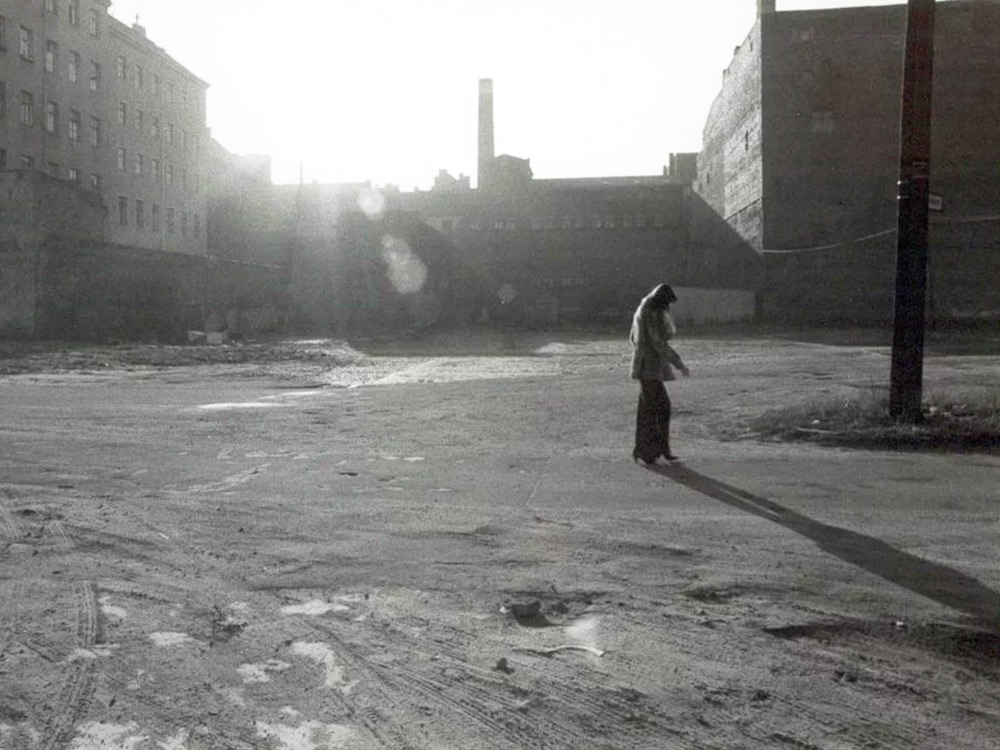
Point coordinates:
[[933, 580]]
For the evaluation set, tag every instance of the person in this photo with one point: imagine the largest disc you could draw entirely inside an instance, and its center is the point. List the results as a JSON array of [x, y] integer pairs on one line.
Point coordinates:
[[653, 362]]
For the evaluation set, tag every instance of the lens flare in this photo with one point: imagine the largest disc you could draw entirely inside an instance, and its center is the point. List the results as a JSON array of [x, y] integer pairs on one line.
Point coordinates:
[[406, 271], [372, 202]]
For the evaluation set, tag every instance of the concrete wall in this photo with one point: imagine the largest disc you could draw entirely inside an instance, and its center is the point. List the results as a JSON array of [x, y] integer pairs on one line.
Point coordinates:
[[701, 306]]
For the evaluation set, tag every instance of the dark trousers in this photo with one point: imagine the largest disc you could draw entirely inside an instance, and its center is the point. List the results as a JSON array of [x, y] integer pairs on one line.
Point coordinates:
[[652, 421]]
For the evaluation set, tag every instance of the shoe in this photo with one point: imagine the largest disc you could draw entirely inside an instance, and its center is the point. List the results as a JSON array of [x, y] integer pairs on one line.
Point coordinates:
[[644, 459], [670, 457]]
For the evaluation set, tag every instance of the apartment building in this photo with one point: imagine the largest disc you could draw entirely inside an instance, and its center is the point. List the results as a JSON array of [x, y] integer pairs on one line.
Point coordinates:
[[92, 101]]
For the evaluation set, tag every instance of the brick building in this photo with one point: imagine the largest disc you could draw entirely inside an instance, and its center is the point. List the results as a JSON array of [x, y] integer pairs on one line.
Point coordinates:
[[92, 101], [801, 155]]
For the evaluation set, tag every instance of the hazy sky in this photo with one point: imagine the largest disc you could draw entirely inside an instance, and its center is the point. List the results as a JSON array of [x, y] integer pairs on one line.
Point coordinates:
[[387, 90]]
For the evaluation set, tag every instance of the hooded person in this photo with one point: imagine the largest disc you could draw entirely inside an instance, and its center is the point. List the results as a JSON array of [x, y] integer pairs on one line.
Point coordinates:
[[653, 363]]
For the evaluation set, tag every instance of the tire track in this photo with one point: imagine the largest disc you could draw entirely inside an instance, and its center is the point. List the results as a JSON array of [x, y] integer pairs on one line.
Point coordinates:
[[8, 524], [78, 684]]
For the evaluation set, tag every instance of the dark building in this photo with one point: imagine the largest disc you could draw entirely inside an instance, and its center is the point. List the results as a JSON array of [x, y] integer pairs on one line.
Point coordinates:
[[545, 251], [801, 158]]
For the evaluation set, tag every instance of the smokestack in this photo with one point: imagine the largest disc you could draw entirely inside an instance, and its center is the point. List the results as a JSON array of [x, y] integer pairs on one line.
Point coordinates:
[[485, 132], [765, 7]]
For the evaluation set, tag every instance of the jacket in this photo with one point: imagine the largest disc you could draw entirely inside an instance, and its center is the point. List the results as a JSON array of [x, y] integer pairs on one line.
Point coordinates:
[[652, 356]]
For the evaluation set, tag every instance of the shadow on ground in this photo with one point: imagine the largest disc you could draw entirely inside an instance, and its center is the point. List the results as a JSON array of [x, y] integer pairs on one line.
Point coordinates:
[[933, 580]]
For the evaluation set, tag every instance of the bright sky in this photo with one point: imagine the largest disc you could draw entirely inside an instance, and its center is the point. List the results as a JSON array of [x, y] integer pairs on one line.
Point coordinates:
[[387, 90]]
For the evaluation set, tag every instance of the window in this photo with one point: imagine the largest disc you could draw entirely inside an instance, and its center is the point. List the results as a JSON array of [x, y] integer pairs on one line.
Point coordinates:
[[51, 117], [95, 132], [122, 68], [122, 210], [93, 22], [51, 55], [26, 43], [74, 125], [155, 130], [140, 214], [74, 175], [74, 66], [184, 180], [27, 161], [3, 32], [171, 92], [95, 182], [27, 108], [154, 170], [170, 133], [51, 6], [3, 158], [74, 12], [138, 119], [3, 98], [140, 164], [53, 169], [95, 75], [184, 140], [154, 217], [121, 158], [122, 113], [823, 122], [196, 225], [170, 221], [169, 175], [156, 85], [184, 98], [138, 76], [184, 223]]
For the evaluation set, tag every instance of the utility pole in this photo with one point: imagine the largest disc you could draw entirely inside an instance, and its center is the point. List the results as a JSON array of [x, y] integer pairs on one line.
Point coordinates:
[[914, 189]]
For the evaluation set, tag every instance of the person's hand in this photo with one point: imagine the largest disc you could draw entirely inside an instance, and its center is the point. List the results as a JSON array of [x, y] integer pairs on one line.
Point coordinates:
[[685, 371]]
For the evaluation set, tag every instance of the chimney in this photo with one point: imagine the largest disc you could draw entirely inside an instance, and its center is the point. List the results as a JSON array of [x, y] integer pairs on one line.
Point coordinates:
[[765, 7], [138, 28], [485, 132]]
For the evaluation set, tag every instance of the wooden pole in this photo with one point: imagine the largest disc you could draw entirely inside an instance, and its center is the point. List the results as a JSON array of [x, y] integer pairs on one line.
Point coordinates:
[[914, 187]]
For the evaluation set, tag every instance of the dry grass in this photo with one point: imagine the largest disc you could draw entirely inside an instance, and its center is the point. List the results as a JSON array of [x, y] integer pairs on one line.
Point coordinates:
[[967, 420]]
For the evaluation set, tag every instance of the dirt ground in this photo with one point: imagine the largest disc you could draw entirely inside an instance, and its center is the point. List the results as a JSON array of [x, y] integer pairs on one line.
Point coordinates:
[[443, 543]]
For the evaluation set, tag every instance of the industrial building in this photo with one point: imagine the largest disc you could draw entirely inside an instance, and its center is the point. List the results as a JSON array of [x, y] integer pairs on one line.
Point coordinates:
[[800, 159], [91, 101]]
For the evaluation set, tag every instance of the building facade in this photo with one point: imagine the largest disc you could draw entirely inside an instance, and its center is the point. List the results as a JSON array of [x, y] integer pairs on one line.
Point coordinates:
[[801, 152], [92, 101]]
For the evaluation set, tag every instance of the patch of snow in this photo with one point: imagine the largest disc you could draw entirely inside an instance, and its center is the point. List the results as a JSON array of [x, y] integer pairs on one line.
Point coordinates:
[[310, 735], [95, 735], [314, 607], [171, 639], [323, 655]]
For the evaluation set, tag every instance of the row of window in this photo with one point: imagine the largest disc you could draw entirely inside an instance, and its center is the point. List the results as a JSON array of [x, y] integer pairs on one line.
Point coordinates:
[[596, 221], [188, 142], [26, 48], [72, 174], [26, 35], [188, 226], [139, 78], [142, 168], [73, 14]]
